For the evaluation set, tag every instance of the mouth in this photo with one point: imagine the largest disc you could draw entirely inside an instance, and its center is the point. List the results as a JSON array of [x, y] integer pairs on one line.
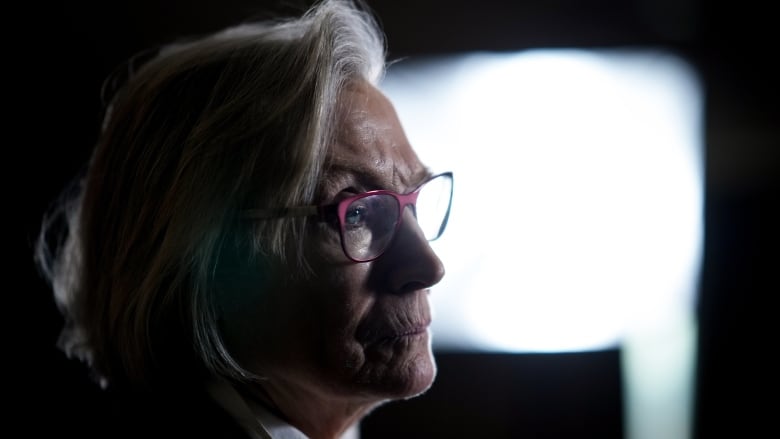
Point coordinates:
[[408, 333], [395, 322]]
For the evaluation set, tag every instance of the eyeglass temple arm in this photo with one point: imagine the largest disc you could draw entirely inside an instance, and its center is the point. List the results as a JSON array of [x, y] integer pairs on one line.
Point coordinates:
[[281, 212]]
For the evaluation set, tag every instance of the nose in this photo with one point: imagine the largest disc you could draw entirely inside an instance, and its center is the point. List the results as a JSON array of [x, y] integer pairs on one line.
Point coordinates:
[[410, 262]]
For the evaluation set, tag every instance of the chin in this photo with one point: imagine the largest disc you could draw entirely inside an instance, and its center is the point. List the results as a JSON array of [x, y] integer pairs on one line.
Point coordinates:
[[422, 376], [401, 369]]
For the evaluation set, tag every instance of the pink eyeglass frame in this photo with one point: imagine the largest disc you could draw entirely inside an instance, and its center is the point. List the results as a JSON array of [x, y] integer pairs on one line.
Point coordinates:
[[325, 211]]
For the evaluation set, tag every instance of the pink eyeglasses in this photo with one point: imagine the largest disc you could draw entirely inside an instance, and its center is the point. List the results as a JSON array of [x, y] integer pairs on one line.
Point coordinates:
[[368, 221]]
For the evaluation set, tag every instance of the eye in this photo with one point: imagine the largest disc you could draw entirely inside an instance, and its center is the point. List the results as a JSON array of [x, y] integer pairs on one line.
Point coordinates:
[[356, 215]]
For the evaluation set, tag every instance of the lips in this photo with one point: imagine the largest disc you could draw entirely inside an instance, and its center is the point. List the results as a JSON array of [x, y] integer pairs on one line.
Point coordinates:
[[395, 318], [407, 333], [388, 332]]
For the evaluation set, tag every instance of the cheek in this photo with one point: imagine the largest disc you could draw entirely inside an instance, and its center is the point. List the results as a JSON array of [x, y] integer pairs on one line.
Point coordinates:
[[336, 296], [324, 251], [340, 302], [337, 303]]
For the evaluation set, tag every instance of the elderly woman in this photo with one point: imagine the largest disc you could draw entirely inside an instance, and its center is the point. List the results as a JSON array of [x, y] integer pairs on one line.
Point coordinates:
[[247, 254]]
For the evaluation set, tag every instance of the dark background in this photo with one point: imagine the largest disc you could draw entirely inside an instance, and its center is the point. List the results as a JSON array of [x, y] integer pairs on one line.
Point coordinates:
[[57, 54]]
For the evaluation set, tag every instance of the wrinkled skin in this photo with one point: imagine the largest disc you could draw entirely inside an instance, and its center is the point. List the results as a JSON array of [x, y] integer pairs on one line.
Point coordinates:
[[354, 335]]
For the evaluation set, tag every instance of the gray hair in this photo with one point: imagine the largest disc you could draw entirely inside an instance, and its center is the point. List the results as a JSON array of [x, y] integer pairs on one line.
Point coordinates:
[[240, 118]]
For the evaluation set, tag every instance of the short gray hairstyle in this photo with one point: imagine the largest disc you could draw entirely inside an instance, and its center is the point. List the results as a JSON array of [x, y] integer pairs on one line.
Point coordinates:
[[208, 126]]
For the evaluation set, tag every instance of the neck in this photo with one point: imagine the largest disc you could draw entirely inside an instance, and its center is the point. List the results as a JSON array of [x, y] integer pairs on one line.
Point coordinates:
[[317, 415]]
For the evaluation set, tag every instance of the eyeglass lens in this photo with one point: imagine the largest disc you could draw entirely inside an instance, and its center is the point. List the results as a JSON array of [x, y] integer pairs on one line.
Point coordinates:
[[370, 221]]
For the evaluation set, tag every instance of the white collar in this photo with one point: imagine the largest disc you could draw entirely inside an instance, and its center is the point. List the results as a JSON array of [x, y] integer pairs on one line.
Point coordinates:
[[256, 420]]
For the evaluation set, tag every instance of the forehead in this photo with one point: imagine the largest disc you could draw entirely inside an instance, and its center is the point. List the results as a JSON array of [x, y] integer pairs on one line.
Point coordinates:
[[371, 148]]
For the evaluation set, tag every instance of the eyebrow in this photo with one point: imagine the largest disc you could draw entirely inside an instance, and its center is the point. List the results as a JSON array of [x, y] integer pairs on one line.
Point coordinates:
[[367, 177]]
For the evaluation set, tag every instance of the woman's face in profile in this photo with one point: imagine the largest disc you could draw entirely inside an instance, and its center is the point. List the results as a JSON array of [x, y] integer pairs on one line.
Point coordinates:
[[353, 330]]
